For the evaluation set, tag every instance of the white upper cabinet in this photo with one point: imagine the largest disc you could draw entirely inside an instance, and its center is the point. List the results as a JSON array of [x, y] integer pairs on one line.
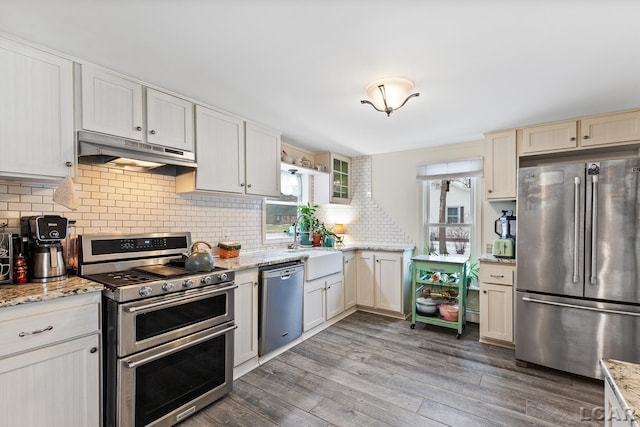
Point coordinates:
[[169, 121], [500, 165], [36, 112], [550, 137], [610, 129], [111, 104], [262, 156], [339, 182], [117, 106], [233, 157], [220, 144]]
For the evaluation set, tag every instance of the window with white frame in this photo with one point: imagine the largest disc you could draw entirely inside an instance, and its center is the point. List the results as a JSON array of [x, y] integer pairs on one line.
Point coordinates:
[[280, 214], [449, 207]]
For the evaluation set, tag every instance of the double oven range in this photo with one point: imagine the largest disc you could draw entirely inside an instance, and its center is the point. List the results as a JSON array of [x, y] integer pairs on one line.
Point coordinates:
[[167, 331]]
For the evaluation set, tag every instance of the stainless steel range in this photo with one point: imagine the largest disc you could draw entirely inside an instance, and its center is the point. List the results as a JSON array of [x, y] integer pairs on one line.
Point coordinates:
[[167, 331]]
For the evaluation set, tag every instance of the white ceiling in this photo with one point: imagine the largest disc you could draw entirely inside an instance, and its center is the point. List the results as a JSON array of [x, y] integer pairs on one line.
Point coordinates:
[[301, 66]]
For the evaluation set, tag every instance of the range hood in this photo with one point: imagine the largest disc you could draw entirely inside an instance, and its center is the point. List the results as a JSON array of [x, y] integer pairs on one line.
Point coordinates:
[[138, 156]]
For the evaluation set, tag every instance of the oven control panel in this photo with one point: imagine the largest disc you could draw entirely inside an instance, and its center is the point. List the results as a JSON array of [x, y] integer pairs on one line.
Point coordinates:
[[144, 244]]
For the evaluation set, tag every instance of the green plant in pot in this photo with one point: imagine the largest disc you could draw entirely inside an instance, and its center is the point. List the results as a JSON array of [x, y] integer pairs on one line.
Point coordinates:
[[308, 223], [329, 236], [473, 271]]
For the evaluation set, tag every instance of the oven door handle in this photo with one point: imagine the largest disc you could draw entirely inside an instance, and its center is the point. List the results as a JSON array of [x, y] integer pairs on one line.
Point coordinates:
[[162, 354], [177, 300]]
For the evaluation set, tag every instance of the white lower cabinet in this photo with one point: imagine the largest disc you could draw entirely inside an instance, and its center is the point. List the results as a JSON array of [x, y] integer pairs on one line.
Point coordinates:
[[334, 296], [365, 286], [496, 302], [323, 300], [382, 280], [349, 271], [388, 275], [55, 386], [246, 316], [49, 371]]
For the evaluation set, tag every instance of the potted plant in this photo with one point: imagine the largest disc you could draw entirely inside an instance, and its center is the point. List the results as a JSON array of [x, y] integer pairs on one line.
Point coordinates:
[[308, 223], [473, 270], [329, 236]]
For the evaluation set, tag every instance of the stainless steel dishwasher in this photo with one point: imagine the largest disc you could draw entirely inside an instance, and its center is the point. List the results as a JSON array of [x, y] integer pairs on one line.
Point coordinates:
[[280, 305]]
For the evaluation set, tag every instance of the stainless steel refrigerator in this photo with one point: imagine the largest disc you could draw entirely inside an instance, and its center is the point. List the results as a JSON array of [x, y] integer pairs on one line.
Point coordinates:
[[578, 265]]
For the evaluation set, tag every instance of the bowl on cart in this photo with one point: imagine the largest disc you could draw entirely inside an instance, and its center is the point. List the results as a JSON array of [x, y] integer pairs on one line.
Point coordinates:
[[426, 306], [449, 312]]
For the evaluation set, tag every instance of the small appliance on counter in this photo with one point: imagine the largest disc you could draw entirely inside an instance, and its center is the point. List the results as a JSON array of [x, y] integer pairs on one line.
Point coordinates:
[[6, 258], [505, 227], [45, 258]]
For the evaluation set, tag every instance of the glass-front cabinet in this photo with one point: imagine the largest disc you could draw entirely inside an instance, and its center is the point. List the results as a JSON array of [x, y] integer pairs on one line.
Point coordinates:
[[339, 168]]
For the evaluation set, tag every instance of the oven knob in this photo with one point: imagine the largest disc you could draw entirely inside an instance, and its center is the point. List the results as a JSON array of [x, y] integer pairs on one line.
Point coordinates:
[[145, 292], [188, 283], [168, 287], [205, 280], [223, 276]]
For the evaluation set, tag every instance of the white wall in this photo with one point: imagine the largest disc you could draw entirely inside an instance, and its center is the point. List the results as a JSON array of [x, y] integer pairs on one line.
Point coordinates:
[[396, 192]]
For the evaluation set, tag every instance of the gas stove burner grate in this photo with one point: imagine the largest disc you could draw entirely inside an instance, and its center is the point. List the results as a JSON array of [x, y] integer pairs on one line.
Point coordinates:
[[123, 278]]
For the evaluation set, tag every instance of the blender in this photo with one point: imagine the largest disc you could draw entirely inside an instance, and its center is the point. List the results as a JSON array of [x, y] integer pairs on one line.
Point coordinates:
[[505, 227]]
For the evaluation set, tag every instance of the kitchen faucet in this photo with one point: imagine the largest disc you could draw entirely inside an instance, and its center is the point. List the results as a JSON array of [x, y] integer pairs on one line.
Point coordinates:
[[295, 232]]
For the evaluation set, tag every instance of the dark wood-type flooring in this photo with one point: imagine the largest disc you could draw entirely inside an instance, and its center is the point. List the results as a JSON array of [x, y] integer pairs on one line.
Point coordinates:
[[370, 370]]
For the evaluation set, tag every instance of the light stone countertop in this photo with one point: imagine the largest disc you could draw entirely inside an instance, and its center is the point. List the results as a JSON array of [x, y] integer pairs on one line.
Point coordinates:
[[491, 258], [377, 247], [259, 259], [11, 295], [624, 378], [276, 256]]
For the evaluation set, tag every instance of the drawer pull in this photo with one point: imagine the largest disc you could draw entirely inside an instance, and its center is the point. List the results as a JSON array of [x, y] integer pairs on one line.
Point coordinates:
[[37, 331], [497, 276]]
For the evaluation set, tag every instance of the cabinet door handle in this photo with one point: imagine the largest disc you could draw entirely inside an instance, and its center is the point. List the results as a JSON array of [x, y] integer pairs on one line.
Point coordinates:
[[37, 331], [490, 191], [573, 138], [93, 349], [484, 292], [242, 184], [497, 276], [248, 185], [152, 132], [585, 137], [139, 128]]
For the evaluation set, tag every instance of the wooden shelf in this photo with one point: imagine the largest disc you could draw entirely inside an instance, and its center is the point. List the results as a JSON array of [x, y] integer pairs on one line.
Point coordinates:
[[301, 169]]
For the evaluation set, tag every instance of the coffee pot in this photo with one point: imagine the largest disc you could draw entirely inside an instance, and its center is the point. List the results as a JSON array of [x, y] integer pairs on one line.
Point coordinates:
[[46, 260], [505, 227]]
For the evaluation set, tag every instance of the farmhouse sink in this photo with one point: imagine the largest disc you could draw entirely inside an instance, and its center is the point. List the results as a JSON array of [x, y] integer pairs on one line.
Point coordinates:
[[320, 262]]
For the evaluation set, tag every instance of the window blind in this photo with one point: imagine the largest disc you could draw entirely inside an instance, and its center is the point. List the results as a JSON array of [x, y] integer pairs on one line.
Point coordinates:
[[446, 170]]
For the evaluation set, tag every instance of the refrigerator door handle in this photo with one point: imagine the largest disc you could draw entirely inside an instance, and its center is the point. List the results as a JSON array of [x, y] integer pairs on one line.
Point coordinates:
[[594, 229], [581, 307], [576, 228]]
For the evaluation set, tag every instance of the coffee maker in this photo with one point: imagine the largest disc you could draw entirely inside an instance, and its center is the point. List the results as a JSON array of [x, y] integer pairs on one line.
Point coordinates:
[[44, 233], [505, 227]]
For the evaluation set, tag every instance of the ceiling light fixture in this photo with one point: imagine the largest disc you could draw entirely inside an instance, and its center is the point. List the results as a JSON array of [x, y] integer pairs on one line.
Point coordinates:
[[390, 94]]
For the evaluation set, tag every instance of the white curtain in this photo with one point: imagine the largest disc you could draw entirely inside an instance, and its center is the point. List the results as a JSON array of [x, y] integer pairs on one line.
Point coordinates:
[[291, 184]]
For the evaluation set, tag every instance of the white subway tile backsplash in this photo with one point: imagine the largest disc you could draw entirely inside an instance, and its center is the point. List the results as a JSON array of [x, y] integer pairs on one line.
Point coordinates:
[[112, 200]]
